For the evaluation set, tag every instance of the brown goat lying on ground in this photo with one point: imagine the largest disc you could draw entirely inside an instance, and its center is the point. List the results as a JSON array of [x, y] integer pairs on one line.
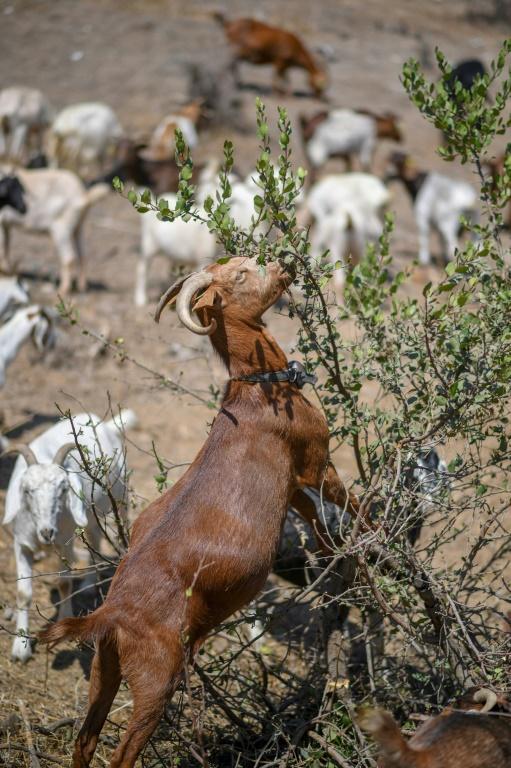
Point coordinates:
[[205, 548], [453, 739], [258, 43]]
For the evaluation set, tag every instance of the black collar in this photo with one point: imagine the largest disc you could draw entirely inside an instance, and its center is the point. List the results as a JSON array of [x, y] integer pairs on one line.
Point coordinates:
[[295, 373]]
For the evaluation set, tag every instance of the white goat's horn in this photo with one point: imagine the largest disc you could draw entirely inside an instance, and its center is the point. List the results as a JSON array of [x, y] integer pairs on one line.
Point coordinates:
[[488, 697], [169, 294], [62, 452], [25, 451], [190, 287]]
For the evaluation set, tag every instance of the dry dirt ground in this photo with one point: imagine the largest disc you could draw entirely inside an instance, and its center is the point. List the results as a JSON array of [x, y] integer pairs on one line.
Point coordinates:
[[132, 55]]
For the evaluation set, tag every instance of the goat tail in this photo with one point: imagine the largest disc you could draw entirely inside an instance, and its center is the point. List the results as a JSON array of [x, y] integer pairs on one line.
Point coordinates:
[[125, 419], [96, 193], [386, 733], [86, 628]]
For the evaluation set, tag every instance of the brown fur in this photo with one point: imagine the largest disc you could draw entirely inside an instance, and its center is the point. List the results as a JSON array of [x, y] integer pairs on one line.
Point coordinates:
[[309, 124], [204, 549], [259, 43], [451, 740], [387, 124]]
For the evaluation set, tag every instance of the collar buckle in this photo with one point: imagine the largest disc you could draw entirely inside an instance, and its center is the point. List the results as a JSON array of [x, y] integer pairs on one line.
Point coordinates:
[[298, 375]]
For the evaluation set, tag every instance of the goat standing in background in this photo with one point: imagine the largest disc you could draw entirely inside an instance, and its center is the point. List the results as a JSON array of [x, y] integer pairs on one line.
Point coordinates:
[[50, 494], [347, 134], [31, 322], [25, 114], [56, 203], [259, 43], [439, 203], [204, 549]]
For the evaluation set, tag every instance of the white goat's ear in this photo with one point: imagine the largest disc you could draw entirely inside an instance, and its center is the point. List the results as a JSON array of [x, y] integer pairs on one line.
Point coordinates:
[[10, 514], [76, 505]]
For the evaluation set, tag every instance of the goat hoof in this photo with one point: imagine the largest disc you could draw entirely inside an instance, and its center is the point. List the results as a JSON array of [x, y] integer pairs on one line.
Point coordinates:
[[21, 650]]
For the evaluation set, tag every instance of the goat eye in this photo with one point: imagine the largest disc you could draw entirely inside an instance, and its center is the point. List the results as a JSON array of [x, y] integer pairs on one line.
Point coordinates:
[[241, 276]]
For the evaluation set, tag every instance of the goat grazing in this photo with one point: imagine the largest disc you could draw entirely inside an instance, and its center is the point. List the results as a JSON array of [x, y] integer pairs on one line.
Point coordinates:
[[450, 740], [347, 134], [57, 203], [83, 135], [439, 203], [30, 322], [50, 494], [25, 114], [348, 211], [12, 293], [204, 549], [259, 43]]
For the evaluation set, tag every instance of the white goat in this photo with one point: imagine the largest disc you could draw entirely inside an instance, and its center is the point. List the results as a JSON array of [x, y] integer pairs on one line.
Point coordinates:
[[50, 494], [83, 135], [31, 322], [188, 244], [57, 202], [348, 211], [343, 132], [12, 293], [25, 114], [439, 203]]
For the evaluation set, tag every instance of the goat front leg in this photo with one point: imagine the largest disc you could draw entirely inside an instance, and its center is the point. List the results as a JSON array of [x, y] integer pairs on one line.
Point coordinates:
[[423, 227], [21, 647], [143, 264], [280, 79], [18, 141], [331, 488], [5, 235], [82, 274], [306, 508], [63, 238]]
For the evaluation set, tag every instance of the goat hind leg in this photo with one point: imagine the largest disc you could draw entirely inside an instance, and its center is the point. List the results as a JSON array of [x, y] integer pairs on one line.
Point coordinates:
[[104, 683], [152, 684]]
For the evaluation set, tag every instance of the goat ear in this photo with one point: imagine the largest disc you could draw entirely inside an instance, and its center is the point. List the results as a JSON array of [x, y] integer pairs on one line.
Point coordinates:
[[210, 298], [10, 514], [76, 505]]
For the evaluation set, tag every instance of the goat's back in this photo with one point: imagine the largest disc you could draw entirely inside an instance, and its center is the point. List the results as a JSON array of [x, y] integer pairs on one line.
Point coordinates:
[[464, 739]]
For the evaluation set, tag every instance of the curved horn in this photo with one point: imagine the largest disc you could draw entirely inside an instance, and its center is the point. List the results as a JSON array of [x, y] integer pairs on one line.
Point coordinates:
[[25, 451], [62, 452], [194, 283], [487, 697], [169, 295]]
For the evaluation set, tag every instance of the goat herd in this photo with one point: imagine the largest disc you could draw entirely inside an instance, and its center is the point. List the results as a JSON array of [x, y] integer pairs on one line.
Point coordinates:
[[204, 548]]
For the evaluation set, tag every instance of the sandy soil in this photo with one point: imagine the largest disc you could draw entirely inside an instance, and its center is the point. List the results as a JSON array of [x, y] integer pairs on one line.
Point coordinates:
[[133, 57]]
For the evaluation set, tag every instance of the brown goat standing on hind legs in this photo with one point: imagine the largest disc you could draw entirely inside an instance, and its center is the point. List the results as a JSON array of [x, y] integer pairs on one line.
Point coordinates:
[[205, 548]]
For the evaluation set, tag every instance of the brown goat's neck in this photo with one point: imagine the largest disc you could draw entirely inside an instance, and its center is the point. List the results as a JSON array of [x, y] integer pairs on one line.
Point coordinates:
[[247, 347]]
